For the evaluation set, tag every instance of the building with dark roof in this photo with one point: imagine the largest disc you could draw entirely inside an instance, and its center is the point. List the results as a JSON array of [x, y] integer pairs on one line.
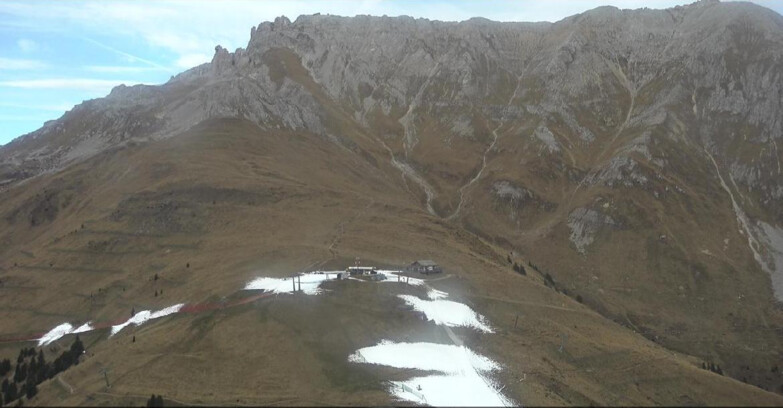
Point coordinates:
[[426, 266]]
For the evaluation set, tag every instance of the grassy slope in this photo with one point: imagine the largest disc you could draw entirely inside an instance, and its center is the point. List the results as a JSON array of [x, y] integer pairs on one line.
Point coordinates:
[[227, 199]]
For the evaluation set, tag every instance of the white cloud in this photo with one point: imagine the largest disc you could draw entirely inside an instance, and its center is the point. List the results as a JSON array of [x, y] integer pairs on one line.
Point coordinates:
[[128, 57], [62, 107], [27, 45], [192, 60], [180, 30], [85, 84], [120, 69], [20, 64], [24, 118]]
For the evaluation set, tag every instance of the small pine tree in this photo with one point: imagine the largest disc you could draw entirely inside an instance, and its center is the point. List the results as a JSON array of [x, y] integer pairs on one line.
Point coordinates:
[[155, 401], [10, 393], [134, 339], [579, 298], [20, 374], [77, 349], [133, 311], [156, 277], [548, 277], [30, 389], [509, 258]]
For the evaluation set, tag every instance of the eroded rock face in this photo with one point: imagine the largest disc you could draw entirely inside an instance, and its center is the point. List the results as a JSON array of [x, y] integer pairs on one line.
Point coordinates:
[[606, 98], [585, 224], [772, 239]]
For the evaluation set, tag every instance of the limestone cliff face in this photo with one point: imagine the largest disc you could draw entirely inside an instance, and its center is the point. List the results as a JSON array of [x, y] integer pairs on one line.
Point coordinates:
[[605, 97]]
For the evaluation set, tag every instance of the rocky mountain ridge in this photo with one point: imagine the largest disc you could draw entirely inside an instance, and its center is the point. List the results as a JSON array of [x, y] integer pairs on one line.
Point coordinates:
[[627, 151]]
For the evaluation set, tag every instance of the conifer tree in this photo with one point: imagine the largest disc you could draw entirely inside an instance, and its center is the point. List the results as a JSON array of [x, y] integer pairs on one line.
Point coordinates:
[[30, 389], [10, 393]]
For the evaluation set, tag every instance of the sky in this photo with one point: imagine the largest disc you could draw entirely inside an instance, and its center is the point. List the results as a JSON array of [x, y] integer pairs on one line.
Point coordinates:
[[56, 54]]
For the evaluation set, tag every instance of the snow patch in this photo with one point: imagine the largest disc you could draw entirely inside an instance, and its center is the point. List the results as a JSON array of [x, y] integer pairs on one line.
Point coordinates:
[[310, 283], [144, 316], [462, 383], [62, 330], [448, 313], [83, 328], [435, 294], [55, 334], [394, 276]]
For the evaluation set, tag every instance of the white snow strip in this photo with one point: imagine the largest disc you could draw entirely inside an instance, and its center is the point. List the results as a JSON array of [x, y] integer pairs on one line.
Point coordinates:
[[394, 276], [310, 283], [144, 316], [62, 330], [55, 334], [445, 358], [461, 384], [84, 328], [448, 313], [467, 390], [435, 294]]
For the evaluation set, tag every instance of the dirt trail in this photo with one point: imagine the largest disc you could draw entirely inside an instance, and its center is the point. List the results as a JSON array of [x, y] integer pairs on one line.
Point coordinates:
[[536, 304], [408, 171], [282, 401], [64, 384], [341, 231]]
